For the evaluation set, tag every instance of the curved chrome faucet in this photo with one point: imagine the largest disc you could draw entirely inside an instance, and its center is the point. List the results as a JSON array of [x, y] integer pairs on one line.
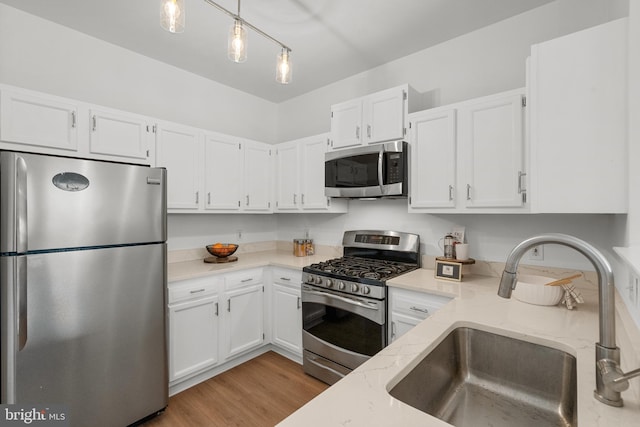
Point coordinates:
[[610, 380]]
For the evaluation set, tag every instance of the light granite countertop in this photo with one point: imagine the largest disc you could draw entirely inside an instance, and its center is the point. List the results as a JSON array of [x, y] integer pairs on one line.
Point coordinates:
[[361, 398]]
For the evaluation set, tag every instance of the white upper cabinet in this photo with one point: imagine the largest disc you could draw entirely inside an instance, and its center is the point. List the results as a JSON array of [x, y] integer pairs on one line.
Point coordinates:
[[179, 150], [119, 134], [469, 157], [37, 119], [433, 158], [41, 123], [257, 176], [491, 138], [300, 177], [223, 172], [578, 96], [381, 116]]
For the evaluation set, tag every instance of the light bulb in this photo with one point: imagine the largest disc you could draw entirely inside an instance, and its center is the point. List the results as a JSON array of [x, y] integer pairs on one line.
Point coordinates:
[[283, 69], [172, 15], [237, 46]]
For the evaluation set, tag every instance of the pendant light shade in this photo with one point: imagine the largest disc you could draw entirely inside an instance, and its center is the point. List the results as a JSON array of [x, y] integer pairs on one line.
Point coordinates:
[[172, 15], [283, 69], [237, 45]]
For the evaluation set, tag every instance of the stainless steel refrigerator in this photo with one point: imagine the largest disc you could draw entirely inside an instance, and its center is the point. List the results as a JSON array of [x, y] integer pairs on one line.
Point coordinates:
[[83, 287]]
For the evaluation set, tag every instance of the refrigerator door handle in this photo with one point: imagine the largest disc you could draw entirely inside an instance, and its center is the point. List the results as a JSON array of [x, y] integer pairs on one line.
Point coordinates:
[[21, 205], [21, 284]]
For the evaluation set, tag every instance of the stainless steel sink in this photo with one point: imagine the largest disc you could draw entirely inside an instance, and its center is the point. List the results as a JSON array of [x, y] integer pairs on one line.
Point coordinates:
[[477, 378]]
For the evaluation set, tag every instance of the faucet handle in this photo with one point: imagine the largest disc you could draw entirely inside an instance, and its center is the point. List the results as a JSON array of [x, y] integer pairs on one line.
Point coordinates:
[[613, 377]]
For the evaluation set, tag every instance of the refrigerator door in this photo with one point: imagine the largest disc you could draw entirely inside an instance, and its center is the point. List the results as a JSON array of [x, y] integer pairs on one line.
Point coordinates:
[[95, 334], [58, 202]]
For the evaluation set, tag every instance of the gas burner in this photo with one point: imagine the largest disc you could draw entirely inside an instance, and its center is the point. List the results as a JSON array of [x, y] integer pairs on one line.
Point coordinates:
[[365, 268]]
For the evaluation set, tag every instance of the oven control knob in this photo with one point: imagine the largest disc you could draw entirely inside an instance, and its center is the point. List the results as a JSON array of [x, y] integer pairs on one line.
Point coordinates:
[[318, 280], [341, 286], [354, 287], [366, 290], [329, 283], [310, 279]]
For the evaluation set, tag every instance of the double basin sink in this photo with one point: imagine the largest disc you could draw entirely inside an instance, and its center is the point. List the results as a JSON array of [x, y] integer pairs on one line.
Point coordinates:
[[478, 378]]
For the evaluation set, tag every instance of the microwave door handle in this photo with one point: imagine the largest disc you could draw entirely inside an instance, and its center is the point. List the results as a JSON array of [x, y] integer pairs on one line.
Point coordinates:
[[380, 177]]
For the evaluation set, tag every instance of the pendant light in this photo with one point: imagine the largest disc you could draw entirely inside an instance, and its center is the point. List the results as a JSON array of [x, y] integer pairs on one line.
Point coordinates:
[[237, 44], [283, 69], [172, 20], [172, 15]]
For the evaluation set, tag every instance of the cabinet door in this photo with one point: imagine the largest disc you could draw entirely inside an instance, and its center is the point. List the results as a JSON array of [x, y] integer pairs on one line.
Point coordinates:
[[401, 324], [433, 159], [245, 323], [492, 142], [287, 318], [384, 115], [578, 102], [40, 120], [179, 150], [223, 173], [193, 337], [346, 120], [312, 173], [287, 173], [257, 177], [119, 134]]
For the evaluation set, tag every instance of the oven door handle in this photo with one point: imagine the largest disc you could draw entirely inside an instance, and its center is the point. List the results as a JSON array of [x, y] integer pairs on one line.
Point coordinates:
[[343, 299], [380, 175]]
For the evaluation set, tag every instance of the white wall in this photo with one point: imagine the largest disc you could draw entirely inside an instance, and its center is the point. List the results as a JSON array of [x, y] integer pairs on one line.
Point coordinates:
[[41, 55], [491, 237], [483, 62]]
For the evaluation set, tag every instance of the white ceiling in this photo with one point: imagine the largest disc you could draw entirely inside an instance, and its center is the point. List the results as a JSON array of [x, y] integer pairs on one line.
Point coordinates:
[[330, 39]]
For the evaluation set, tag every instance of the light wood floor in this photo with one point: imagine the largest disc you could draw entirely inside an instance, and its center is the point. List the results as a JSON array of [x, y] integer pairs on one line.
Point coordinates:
[[260, 392]]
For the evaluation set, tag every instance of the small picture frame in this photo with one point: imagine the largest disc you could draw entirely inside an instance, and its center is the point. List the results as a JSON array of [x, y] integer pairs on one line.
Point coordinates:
[[449, 270]]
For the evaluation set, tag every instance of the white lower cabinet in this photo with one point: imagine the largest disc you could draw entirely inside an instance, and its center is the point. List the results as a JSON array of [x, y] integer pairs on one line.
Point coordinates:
[[244, 312], [408, 308], [193, 327], [286, 321]]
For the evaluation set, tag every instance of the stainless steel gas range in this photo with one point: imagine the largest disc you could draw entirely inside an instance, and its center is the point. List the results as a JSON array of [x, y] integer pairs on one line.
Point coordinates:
[[344, 300]]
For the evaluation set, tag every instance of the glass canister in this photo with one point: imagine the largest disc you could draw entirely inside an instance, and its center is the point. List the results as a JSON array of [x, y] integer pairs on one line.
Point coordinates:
[[299, 247], [310, 249]]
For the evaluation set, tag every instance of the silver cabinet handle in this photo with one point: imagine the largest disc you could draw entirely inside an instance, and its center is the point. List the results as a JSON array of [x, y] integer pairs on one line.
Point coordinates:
[[302, 198], [357, 132], [468, 192], [521, 175], [393, 330], [217, 309], [208, 198], [197, 197], [450, 192], [246, 280], [229, 305], [421, 310], [94, 122], [369, 131], [73, 120], [247, 200], [197, 291], [298, 303], [286, 279], [294, 198]]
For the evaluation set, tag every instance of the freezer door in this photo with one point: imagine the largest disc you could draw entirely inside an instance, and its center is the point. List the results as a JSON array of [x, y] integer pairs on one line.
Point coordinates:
[[95, 339], [57, 202]]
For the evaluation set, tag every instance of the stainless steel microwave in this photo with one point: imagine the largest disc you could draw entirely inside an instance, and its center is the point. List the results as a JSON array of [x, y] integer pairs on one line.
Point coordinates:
[[370, 171]]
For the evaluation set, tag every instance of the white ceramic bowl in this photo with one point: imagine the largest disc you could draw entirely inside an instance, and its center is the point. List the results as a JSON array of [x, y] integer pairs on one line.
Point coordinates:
[[532, 290]]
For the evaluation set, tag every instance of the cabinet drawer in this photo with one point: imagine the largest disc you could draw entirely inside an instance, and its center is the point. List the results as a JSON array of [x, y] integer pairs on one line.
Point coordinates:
[[192, 289], [287, 277], [243, 278], [416, 304]]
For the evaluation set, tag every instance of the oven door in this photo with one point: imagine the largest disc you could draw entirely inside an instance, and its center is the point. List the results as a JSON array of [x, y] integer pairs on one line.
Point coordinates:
[[342, 328], [378, 170]]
